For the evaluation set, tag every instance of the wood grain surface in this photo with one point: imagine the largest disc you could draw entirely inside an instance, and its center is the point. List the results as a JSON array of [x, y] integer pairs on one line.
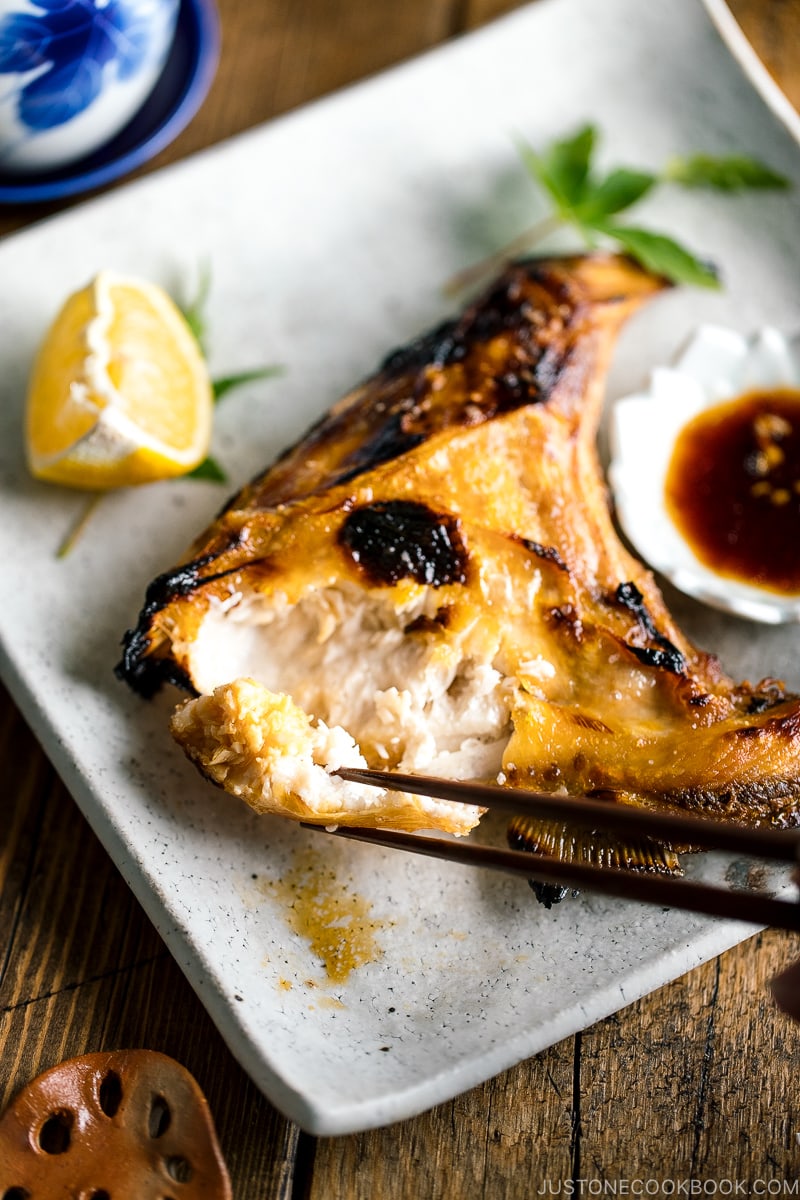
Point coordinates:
[[773, 29], [696, 1082]]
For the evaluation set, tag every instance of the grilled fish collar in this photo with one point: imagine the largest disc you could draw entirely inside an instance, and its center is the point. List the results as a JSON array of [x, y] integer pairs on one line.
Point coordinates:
[[431, 580]]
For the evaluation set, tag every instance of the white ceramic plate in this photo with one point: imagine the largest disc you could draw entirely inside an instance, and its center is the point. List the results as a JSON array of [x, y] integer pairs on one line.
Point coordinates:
[[330, 234]]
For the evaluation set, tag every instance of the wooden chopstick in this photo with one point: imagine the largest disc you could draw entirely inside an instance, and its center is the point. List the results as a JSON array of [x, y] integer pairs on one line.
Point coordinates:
[[782, 845], [627, 885]]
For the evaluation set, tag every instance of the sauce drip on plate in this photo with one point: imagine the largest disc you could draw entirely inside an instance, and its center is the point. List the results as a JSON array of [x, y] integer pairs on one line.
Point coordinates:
[[733, 488]]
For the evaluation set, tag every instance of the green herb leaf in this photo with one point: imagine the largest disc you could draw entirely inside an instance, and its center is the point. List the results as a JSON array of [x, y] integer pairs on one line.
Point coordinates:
[[194, 311], [661, 254], [619, 190], [227, 383], [208, 470], [734, 173], [564, 169]]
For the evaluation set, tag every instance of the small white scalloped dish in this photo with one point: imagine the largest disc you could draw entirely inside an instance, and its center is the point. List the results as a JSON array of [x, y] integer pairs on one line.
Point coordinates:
[[717, 365]]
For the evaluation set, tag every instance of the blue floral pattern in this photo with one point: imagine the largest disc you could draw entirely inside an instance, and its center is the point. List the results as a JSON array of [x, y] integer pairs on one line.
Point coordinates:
[[68, 44]]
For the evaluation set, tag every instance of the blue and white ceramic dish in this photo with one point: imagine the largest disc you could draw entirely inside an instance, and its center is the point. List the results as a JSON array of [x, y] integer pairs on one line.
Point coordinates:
[[178, 93], [74, 72]]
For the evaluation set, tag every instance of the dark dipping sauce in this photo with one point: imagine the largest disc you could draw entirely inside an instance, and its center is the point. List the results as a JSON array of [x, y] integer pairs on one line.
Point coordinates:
[[733, 488]]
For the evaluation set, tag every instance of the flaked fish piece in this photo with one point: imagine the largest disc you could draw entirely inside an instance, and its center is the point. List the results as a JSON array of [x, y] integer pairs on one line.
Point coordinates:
[[432, 577]]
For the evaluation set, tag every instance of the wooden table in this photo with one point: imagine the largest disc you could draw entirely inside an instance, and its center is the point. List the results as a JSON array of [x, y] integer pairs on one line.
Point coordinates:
[[700, 1080]]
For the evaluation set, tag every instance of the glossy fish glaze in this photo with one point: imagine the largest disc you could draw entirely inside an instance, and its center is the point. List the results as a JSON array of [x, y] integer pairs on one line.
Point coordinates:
[[459, 490]]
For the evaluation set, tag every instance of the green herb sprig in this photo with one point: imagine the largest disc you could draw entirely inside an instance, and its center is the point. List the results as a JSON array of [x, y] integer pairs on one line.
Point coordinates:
[[209, 470], [590, 203], [195, 314]]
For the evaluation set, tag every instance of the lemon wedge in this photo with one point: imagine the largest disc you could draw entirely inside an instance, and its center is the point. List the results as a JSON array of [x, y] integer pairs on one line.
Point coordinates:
[[119, 393]]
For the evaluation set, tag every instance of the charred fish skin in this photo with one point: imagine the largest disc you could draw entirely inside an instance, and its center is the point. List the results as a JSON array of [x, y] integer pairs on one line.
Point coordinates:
[[519, 344], [447, 524], [510, 348]]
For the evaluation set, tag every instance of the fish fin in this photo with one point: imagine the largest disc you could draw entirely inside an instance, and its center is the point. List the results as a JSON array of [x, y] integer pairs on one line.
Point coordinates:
[[588, 847]]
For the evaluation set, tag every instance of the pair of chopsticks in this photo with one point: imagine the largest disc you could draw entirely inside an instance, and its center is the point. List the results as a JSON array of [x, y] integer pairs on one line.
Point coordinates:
[[778, 845]]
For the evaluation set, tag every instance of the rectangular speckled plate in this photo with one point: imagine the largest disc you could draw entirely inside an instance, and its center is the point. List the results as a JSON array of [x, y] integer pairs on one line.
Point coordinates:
[[330, 234]]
